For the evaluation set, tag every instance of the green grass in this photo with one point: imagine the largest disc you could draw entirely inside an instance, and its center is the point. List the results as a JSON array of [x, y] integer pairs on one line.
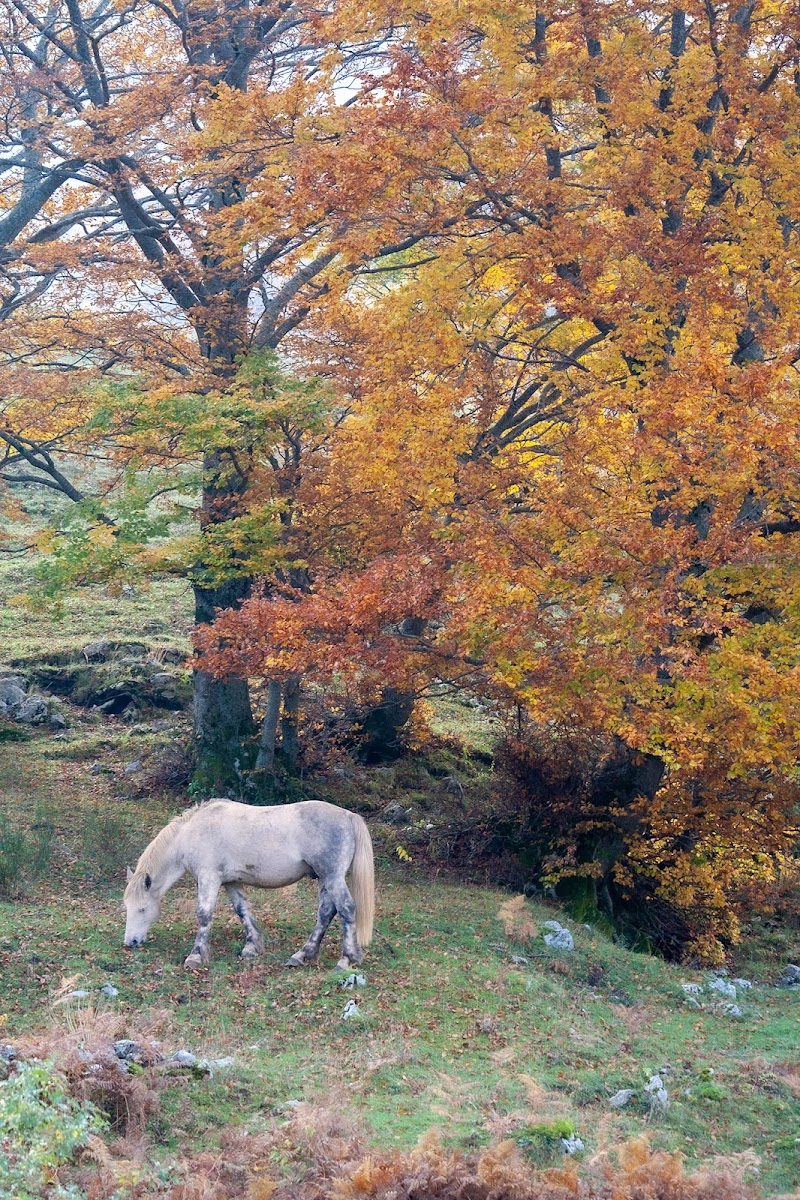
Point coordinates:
[[451, 1032], [157, 615]]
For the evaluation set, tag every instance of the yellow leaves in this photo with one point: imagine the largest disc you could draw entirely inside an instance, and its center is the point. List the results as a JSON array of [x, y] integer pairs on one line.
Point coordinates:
[[45, 540], [102, 535]]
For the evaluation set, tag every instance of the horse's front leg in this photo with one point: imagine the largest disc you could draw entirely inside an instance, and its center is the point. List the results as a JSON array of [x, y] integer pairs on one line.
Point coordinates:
[[325, 914], [254, 943], [207, 892]]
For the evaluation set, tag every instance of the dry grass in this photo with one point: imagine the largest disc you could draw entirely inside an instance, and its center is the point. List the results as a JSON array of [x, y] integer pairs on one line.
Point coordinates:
[[80, 1043]]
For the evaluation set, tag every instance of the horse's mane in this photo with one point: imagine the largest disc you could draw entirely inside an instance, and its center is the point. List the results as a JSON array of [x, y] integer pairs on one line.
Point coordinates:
[[155, 855]]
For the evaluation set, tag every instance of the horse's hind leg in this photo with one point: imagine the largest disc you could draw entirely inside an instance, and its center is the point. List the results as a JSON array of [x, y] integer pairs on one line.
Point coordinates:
[[325, 914], [346, 908], [207, 892], [254, 943]]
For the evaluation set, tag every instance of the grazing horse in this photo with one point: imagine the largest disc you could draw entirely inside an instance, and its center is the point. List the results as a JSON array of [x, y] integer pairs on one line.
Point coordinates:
[[227, 844]]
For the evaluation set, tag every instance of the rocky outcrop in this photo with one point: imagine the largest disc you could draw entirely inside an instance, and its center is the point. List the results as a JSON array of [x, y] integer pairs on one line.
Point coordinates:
[[113, 677]]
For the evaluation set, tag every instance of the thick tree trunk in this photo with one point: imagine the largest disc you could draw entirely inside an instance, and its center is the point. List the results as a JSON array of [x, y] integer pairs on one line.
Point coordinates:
[[223, 719], [381, 727]]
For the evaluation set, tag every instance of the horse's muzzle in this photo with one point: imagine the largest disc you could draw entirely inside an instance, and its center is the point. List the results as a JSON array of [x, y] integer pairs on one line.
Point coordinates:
[[134, 943]]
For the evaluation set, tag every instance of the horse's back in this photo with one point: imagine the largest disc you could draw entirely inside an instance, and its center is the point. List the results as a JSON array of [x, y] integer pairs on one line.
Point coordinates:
[[269, 846]]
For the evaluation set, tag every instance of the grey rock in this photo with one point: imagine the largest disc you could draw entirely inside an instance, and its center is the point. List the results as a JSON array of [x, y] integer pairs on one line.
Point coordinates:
[[572, 1144], [129, 1050], [184, 1058], [622, 1097], [11, 694], [33, 711], [172, 655], [95, 769], [57, 721], [7, 1053], [109, 990], [790, 978], [519, 960], [692, 989], [78, 994], [729, 1009], [693, 1002], [559, 938], [17, 681], [131, 768], [164, 679], [158, 726], [743, 984], [353, 981], [220, 1064], [395, 814], [98, 651], [657, 1093], [350, 1010], [723, 987]]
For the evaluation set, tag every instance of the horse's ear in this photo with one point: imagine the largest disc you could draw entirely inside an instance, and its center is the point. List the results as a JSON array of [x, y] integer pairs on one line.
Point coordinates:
[[147, 882], [128, 874]]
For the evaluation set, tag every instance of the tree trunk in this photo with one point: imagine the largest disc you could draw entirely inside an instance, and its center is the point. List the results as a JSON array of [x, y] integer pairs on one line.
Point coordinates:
[[290, 732], [269, 728], [381, 727], [223, 719]]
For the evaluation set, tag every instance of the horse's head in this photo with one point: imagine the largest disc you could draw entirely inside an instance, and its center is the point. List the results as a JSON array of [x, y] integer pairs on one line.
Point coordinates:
[[142, 907]]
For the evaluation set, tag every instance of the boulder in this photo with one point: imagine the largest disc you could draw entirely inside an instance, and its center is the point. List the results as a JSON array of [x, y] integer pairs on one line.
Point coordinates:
[[395, 814], [33, 711], [559, 938], [790, 978], [98, 651], [11, 693]]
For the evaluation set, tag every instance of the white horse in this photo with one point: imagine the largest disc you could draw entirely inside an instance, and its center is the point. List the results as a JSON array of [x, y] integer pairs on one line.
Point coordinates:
[[226, 844]]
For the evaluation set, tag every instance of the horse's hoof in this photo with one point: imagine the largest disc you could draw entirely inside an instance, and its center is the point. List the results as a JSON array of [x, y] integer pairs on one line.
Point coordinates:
[[249, 951], [192, 962], [344, 963], [297, 960]]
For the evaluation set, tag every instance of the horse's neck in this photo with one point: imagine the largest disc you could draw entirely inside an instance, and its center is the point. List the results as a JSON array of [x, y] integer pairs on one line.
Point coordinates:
[[170, 869]]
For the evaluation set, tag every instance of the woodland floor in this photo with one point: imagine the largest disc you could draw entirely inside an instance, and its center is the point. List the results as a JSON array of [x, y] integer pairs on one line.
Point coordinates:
[[451, 1033]]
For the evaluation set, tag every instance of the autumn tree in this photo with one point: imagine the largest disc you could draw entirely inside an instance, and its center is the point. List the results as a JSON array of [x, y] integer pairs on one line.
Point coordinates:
[[575, 427], [184, 185]]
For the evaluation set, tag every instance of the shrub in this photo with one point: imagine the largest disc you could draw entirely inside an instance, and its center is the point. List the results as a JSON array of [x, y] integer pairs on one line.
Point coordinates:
[[41, 1127], [674, 862]]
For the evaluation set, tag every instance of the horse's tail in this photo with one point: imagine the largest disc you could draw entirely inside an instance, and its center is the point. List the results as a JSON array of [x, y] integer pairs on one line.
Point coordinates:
[[362, 881]]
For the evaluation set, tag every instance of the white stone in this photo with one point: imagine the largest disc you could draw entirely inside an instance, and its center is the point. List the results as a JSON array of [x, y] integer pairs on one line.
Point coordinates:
[[723, 987], [657, 1093]]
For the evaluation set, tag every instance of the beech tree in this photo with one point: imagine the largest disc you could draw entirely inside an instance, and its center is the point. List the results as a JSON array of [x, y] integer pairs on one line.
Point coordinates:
[[578, 423], [184, 183]]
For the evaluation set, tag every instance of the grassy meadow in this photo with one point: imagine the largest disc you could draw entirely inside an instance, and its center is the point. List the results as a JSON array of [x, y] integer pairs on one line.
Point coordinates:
[[468, 1022]]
